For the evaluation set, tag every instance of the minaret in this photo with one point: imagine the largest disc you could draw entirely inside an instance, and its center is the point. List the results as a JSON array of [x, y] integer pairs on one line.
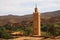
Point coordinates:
[[36, 22]]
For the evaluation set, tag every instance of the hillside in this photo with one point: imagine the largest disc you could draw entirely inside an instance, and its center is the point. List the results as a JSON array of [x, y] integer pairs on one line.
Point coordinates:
[[48, 17]]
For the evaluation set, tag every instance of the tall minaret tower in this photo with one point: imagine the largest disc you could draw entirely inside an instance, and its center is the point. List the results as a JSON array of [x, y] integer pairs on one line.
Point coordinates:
[[36, 22]]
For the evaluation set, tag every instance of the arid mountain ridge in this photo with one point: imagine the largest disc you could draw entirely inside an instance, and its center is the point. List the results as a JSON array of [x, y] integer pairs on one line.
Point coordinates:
[[47, 17]]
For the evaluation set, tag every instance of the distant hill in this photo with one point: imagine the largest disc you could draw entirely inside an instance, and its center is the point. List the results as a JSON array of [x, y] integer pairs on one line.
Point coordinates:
[[48, 17], [51, 14]]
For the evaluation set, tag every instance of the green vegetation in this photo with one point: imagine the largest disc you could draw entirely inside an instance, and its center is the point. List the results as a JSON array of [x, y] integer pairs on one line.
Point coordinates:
[[6, 30], [47, 30], [51, 30], [4, 33]]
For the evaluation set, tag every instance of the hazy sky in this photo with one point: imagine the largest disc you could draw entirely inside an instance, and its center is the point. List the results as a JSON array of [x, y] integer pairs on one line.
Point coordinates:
[[23, 7]]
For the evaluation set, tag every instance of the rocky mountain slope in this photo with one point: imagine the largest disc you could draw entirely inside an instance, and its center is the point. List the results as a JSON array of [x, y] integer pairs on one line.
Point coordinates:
[[48, 17]]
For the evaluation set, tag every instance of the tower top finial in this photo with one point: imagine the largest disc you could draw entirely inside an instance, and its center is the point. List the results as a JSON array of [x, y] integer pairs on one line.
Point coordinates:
[[35, 5], [36, 9]]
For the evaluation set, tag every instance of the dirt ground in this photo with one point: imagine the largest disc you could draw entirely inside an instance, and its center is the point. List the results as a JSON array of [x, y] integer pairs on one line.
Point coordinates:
[[34, 38]]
